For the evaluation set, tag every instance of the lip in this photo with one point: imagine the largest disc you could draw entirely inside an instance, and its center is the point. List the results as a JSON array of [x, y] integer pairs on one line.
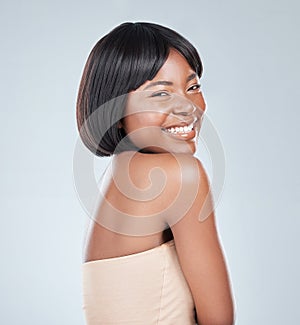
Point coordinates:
[[181, 135], [179, 123]]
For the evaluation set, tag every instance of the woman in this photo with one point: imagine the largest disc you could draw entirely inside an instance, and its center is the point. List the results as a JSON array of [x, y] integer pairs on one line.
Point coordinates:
[[152, 253]]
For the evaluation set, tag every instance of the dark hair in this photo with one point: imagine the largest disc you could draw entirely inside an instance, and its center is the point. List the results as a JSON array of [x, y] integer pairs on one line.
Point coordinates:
[[120, 62]]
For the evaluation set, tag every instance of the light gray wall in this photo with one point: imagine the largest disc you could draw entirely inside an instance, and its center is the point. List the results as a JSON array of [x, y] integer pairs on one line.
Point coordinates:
[[250, 51]]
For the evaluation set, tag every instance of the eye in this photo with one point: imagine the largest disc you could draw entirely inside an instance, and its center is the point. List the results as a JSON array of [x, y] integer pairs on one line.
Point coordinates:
[[195, 87], [160, 94]]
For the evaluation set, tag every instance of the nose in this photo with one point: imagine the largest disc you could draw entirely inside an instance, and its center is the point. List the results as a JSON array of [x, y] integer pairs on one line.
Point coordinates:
[[183, 106]]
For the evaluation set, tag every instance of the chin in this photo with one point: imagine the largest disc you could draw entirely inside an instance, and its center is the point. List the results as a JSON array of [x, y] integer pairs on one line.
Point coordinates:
[[189, 150]]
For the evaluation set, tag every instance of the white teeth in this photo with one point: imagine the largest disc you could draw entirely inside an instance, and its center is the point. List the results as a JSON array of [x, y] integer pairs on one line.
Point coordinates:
[[180, 129]]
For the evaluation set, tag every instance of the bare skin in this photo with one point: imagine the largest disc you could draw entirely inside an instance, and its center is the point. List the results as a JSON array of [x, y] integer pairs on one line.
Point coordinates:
[[177, 190]]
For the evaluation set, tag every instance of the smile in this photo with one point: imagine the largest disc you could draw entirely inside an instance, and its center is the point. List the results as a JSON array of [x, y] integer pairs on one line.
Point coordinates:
[[186, 131], [180, 129]]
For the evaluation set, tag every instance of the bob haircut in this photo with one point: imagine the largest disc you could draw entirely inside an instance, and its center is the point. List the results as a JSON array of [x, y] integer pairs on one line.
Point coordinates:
[[119, 63]]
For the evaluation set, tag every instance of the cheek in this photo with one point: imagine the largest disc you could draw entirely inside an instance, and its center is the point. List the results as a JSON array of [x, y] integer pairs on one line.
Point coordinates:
[[130, 123], [202, 103], [139, 128], [199, 101], [137, 121]]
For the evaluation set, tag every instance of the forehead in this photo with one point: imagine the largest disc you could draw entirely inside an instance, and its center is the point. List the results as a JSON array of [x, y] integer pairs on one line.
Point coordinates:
[[176, 64], [175, 70]]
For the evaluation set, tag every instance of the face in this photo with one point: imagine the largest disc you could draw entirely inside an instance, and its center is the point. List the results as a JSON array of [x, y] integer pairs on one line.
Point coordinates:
[[165, 114]]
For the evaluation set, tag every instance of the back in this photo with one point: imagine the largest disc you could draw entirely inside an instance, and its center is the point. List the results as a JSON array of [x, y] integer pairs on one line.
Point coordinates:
[[131, 212]]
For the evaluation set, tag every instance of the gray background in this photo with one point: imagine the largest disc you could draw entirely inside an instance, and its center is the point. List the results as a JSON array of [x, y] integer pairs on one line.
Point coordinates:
[[250, 51]]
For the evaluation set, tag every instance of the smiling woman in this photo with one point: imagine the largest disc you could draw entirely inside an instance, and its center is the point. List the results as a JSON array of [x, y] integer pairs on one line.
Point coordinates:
[[152, 253], [168, 111]]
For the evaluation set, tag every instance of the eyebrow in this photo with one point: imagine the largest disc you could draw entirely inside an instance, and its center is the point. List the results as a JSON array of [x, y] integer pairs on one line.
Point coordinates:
[[169, 83], [191, 77]]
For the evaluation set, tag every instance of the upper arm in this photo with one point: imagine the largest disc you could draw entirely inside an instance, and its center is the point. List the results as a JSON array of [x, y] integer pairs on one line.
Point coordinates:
[[199, 250]]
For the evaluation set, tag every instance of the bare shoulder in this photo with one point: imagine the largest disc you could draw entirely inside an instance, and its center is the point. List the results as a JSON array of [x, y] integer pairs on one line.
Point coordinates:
[[176, 168], [165, 184]]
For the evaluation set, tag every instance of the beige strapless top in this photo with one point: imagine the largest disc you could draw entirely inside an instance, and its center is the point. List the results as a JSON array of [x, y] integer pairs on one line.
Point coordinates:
[[144, 288]]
